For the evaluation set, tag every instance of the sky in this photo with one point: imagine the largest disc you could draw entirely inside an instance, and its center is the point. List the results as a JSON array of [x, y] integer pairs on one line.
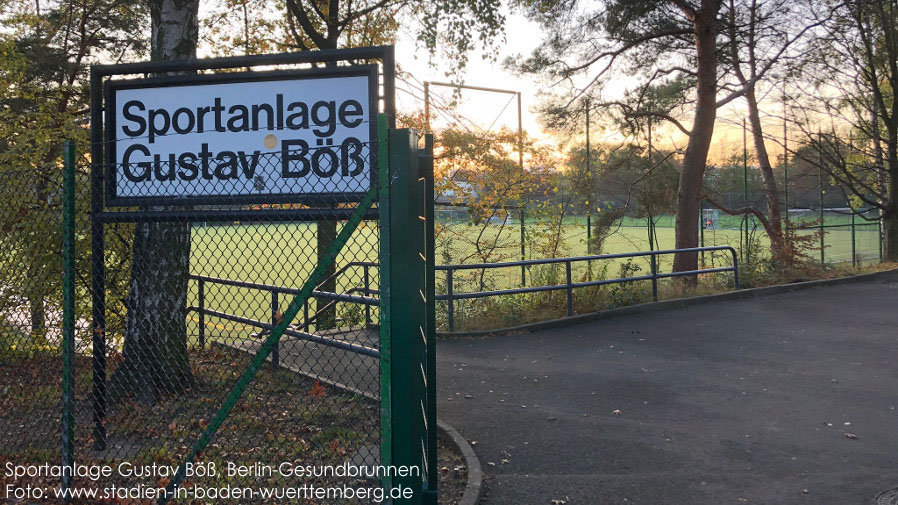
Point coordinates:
[[481, 109], [485, 110]]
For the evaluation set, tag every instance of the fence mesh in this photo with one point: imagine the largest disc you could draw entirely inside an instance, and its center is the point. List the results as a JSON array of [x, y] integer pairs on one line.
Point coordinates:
[[191, 292]]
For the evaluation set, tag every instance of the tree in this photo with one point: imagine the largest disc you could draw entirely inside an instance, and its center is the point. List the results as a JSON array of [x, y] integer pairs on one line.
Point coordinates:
[[656, 41], [850, 128], [674, 50], [329, 24], [761, 36], [43, 99], [155, 348]]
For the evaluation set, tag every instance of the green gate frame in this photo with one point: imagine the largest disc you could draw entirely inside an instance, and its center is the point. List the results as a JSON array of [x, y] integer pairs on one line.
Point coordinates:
[[407, 278], [404, 194]]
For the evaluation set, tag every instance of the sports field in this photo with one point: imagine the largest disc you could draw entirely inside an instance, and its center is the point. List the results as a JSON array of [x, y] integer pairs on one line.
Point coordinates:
[[285, 254]]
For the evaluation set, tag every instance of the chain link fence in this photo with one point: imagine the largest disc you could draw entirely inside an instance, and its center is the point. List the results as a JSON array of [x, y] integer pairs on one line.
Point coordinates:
[[184, 299]]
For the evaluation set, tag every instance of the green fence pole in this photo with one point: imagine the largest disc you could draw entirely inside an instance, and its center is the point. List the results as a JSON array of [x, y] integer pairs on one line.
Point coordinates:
[[406, 300], [386, 343], [651, 231], [822, 226], [745, 186], [523, 248], [68, 310], [701, 225], [426, 171], [589, 250], [853, 243]]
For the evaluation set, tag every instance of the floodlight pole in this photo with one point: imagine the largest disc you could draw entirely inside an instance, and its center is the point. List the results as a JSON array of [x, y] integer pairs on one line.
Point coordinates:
[[427, 85]]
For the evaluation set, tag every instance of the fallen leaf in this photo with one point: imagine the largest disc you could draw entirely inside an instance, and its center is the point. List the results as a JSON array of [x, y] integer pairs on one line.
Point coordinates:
[[850, 436]]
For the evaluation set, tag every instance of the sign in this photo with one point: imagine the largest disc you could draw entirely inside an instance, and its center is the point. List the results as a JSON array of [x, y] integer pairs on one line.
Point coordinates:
[[248, 137]]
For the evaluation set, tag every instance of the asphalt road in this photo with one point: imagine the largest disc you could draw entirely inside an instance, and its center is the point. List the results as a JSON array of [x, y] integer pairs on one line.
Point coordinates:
[[748, 401]]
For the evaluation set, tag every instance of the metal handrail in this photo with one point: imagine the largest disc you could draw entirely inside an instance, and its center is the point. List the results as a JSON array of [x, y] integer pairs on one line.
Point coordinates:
[[570, 285], [451, 296]]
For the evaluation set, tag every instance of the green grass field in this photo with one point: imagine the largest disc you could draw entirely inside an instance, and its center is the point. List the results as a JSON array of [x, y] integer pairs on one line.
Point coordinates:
[[285, 254]]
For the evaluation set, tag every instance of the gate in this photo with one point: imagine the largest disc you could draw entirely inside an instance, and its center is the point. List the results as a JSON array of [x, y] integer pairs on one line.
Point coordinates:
[[227, 391]]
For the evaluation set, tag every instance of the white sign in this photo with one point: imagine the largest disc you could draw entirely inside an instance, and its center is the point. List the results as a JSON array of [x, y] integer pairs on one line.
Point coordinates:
[[245, 137]]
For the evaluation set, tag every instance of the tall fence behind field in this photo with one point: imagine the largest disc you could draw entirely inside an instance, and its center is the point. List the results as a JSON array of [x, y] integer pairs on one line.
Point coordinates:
[[847, 236]]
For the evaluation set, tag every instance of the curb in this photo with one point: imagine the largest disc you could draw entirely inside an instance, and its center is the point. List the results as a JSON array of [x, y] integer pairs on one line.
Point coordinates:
[[670, 304], [474, 486]]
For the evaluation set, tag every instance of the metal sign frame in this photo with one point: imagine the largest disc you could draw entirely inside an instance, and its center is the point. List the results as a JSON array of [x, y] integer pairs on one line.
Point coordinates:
[[403, 189], [99, 215], [109, 97]]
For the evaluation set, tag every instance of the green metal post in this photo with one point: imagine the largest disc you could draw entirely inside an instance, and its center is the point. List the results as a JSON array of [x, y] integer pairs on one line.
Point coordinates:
[[68, 310], [820, 190], [701, 226], [407, 266], [786, 158], [523, 248], [651, 232], [426, 171], [880, 235], [386, 343], [745, 186], [853, 243]]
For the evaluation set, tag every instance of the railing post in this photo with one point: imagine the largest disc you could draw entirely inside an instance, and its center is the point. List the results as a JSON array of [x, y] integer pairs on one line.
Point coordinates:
[[654, 262], [367, 293], [570, 289], [201, 299], [450, 299], [853, 244], [275, 320], [305, 316], [735, 270]]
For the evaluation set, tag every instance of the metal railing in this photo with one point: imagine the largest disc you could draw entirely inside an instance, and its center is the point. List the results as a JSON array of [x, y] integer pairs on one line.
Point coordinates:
[[366, 298], [301, 331], [451, 296]]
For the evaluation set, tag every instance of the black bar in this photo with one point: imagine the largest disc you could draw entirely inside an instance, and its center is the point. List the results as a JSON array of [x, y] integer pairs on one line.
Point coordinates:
[[655, 277], [570, 289], [221, 216], [367, 300], [98, 262], [385, 53]]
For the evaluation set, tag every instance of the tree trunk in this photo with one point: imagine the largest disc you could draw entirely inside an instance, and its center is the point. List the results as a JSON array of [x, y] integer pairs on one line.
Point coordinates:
[[771, 191], [690, 189], [326, 233], [155, 349], [890, 214]]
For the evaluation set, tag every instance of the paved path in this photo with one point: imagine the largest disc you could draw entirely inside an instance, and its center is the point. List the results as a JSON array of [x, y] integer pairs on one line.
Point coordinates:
[[727, 403]]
